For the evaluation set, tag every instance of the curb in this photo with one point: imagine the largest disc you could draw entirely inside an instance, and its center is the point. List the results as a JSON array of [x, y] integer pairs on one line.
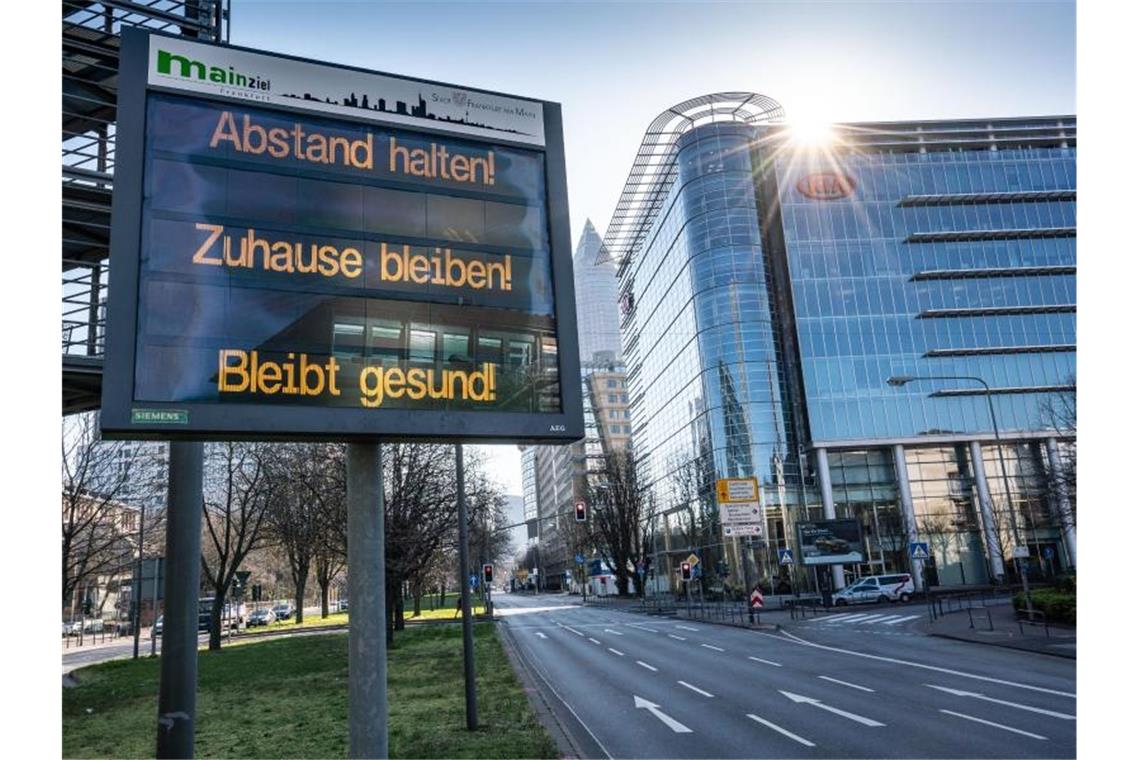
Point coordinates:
[[1003, 645]]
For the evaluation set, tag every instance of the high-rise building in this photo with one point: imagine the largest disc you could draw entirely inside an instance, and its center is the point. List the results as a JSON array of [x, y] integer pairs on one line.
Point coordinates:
[[769, 289], [595, 291]]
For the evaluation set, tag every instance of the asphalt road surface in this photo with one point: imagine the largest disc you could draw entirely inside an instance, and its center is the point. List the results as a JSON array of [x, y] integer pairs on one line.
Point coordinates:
[[625, 685]]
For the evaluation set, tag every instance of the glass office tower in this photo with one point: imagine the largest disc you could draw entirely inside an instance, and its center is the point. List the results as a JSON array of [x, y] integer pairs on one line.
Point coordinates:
[[769, 289]]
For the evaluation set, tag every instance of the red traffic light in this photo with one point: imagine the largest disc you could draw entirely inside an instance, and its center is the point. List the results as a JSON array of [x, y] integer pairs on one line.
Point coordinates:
[[686, 571], [580, 511], [488, 573]]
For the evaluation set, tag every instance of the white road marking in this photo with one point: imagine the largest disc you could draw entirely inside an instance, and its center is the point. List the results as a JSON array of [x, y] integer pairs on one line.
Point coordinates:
[[615, 633], [619, 654], [888, 618], [540, 634], [676, 725], [903, 620], [983, 697], [688, 627], [710, 646], [800, 699], [881, 658], [647, 666], [702, 692], [766, 662], [595, 641], [995, 725], [783, 731], [642, 628], [573, 630], [832, 618], [845, 683], [678, 638], [866, 619], [850, 619]]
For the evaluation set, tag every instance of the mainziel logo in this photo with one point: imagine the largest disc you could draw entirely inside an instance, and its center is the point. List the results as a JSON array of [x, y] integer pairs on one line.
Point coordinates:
[[826, 186], [172, 64]]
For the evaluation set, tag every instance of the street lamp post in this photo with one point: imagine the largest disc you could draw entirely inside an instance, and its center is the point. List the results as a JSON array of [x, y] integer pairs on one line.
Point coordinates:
[[900, 380]]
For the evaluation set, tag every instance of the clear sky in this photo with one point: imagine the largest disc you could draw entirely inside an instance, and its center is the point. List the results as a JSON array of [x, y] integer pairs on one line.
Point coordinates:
[[616, 66]]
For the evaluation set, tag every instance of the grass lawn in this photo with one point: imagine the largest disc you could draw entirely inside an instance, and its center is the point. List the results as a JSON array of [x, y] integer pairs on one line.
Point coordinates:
[[289, 698]]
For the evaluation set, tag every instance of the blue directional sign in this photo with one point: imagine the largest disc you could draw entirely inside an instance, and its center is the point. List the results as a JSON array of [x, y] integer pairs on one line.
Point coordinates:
[[474, 581], [919, 550], [786, 557], [579, 559], [1048, 552]]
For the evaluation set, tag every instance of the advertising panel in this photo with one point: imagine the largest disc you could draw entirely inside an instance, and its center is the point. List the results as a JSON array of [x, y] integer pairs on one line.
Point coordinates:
[[830, 542], [299, 253]]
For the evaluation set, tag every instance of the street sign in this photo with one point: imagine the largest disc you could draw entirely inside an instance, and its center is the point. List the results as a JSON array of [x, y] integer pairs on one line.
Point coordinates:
[[473, 580], [757, 599], [579, 559], [1048, 552], [738, 500], [786, 557], [919, 550], [693, 559], [1021, 552]]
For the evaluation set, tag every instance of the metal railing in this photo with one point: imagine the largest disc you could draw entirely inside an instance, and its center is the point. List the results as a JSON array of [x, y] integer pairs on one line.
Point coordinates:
[[84, 311]]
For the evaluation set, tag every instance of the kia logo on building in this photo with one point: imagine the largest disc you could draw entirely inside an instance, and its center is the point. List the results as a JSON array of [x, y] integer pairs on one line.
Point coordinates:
[[826, 186]]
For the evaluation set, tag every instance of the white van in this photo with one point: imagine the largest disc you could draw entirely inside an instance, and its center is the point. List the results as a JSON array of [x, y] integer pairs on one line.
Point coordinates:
[[877, 588]]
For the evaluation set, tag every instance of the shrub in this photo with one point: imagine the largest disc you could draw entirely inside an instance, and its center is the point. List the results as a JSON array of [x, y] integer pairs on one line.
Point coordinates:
[[1058, 606]]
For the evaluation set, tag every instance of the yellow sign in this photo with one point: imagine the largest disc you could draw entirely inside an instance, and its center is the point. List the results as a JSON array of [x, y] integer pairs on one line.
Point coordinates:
[[693, 560], [733, 490]]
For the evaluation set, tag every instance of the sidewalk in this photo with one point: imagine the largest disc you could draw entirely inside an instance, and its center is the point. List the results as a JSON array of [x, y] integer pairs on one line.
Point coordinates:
[[1061, 641]]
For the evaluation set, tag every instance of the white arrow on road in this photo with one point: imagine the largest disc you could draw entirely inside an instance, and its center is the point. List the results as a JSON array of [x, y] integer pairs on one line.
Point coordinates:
[[540, 634], [677, 726], [799, 698], [976, 695]]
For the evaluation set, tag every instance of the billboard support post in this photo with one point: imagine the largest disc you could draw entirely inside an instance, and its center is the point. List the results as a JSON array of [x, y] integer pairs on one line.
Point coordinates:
[[465, 597], [367, 643], [178, 682]]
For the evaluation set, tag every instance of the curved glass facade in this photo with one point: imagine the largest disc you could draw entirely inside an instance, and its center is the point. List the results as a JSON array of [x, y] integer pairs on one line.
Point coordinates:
[[777, 289]]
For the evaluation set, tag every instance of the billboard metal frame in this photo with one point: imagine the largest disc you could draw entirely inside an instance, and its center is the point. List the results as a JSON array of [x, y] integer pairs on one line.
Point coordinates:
[[239, 421]]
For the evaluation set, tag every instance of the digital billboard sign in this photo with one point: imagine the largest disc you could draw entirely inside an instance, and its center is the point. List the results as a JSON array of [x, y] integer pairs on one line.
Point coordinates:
[[297, 252], [830, 542]]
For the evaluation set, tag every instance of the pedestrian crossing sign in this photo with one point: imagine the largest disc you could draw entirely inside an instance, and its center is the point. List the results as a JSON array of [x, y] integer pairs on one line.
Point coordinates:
[[786, 557], [919, 550]]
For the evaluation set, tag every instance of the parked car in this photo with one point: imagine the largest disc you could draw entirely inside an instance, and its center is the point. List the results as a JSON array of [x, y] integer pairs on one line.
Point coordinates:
[[877, 588], [342, 605], [283, 612], [73, 628], [157, 630], [261, 617], [94, 625]]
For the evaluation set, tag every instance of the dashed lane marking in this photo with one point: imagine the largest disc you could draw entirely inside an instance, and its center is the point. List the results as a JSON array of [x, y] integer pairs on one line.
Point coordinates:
[[995, 725], [846, 683], [611, 630], [647, 666], [702, 692], [678, 638], [779, 730], [619, 654], [766, 662], [595, 641], [688, 628], [710, 646]]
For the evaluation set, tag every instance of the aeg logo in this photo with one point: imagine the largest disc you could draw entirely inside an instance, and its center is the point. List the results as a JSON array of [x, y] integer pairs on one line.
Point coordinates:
[[826, 186]]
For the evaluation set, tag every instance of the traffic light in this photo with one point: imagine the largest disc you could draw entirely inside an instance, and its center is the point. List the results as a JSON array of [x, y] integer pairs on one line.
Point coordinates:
[[488, 573], [686, 571], [580, 511]]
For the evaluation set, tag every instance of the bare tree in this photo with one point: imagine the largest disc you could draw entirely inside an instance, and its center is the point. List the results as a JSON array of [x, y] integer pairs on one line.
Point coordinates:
[[237, 498], [622, 512], [97, 526]]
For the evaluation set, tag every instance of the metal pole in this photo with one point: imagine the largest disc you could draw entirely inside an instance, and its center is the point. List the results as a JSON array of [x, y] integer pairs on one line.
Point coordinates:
[[154, 605], [1008, 499], [136, 592], [367, 637], [465, 597], [178, 681]]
